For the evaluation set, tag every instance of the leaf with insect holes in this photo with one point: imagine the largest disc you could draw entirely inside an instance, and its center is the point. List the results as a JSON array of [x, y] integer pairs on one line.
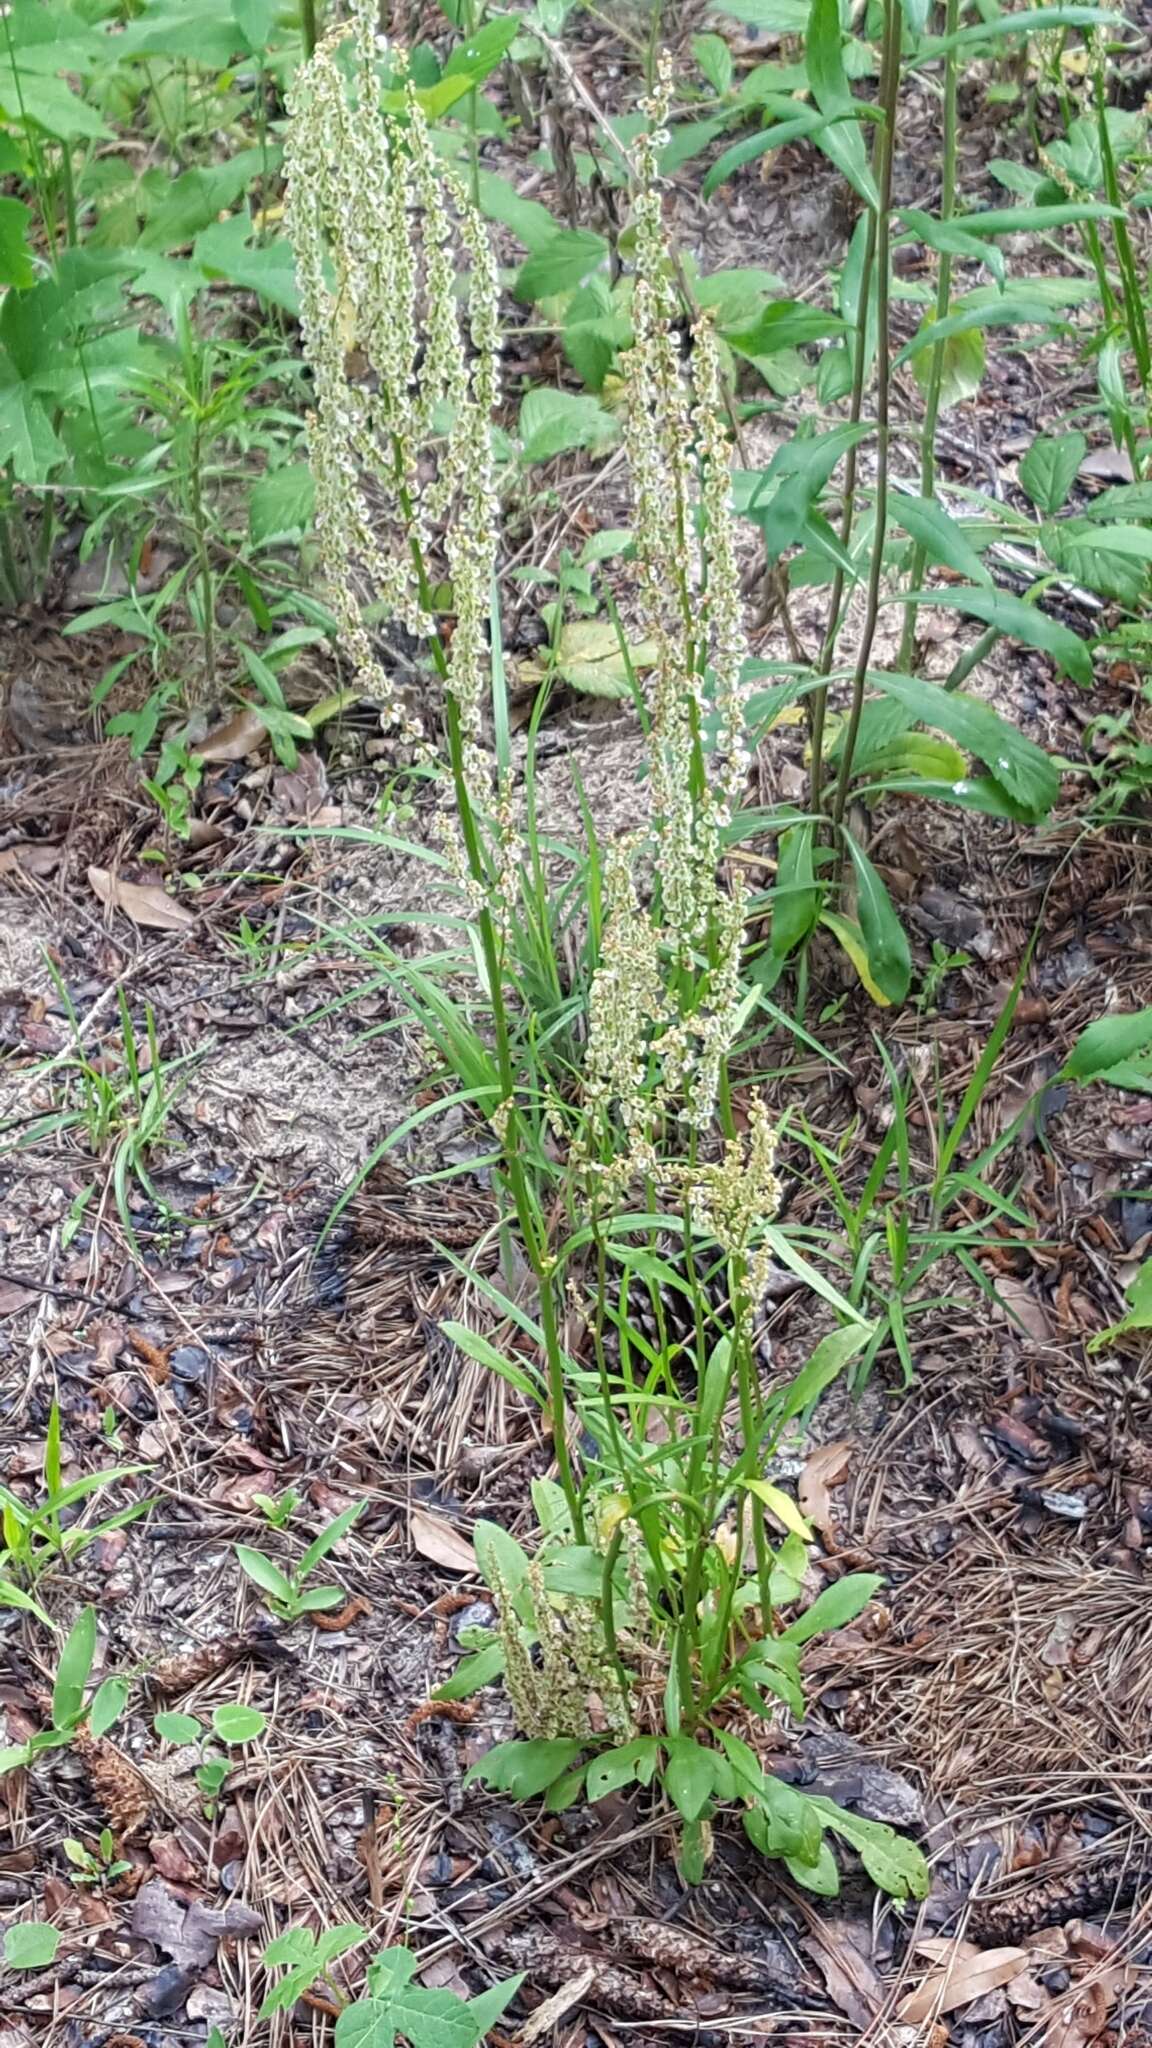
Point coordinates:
[[524, 1769], [892, 1861], [1050, 468], [437, 1540], [234, 1722], [31, 1946], [144, 903]]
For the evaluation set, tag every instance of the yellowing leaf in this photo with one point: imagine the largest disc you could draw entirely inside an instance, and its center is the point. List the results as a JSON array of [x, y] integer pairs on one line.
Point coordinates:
[[851, 939], [590, 658], [782, 1506]]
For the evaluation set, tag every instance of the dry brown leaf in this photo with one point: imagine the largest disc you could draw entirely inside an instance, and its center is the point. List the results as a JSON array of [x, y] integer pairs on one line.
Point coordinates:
[[144, 902], [30, 857], [849, 1977], [966, 1974], [826, 1467], [1025, 1312], [1079, 2018], [438, 1541], [239, 735]]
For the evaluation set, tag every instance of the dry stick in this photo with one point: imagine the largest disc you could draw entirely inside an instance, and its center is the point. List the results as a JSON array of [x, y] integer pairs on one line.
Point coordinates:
[[890, 89]]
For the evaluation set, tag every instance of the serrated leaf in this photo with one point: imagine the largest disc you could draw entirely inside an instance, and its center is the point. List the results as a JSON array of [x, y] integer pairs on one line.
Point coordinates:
[[715, 59], [280, 504], [1049, 469]]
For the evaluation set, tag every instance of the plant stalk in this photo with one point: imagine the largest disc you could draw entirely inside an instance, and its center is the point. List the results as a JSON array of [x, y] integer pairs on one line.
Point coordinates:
[[886, 140], [943, 300]]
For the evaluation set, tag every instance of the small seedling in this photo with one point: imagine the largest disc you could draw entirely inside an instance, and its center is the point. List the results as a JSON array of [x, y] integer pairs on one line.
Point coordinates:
[[394, 2005], [36, 1536], [99, 1866], [285, 1591], [279, 1512], [232, 1723], [72, 1707]]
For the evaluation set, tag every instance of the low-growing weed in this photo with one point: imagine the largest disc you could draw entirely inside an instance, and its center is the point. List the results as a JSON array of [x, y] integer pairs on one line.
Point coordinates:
[[72, 1705], [394, 2003], [286, 1593], [39, 1536]]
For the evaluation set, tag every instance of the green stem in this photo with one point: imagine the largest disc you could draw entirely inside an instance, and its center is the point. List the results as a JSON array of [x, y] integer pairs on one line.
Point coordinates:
[[818, 701], [943, 301], [889, 95], [308, 26]]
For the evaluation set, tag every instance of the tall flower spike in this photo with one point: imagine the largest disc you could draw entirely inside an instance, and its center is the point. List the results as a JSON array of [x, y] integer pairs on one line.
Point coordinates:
[[384, 233]]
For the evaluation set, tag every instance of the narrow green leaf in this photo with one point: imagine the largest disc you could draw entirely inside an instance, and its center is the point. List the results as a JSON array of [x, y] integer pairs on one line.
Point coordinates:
[[1021, 621]]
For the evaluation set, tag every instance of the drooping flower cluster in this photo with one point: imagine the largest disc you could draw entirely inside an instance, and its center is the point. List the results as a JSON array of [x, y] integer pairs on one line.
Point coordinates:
[[383, 232], [733, 1197], [666, 998]]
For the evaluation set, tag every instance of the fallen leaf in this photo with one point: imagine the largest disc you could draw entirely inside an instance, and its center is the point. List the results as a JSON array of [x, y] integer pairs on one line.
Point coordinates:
[[13, 1296], [172, 1859], [1022, 1308], [189, 1934], [849, 1977], [967, 1973], [239, 735], [144, 902], [1108, 465], [440, 1542], [30, 857], [826, 1467], [1080, 2018]]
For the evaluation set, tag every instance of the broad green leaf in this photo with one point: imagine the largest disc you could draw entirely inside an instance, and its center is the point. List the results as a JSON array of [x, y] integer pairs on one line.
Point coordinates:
[[228, 250], [476, 57], [233, 1722], [1134, 541], [369, 2023], [526, 219], [108, 1703], [971, 318], [795, 897], [552, 422], [263, 1572], [524, 1769], [502, 1560], [1049, 469], [174, 1727], [615, 1768], [1021, 621], [688, 1775], [1074, 547], [438, 2019], [943, 540], [571, 255], [1023, 769], [885, 940], [715, 59], [787, 324], [916, 754], [471, 1673], [821, 1877], [73, 1670], [1106, 1042], [15, 255], [591, 659], [31, 1945], [256, 21], [50, 104], [835, 1607]]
